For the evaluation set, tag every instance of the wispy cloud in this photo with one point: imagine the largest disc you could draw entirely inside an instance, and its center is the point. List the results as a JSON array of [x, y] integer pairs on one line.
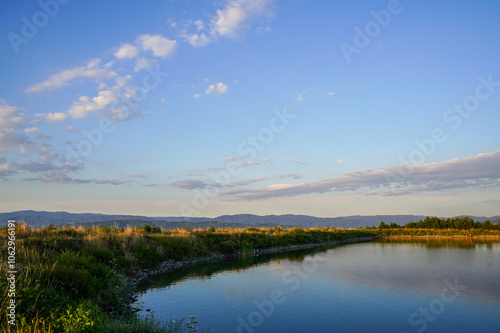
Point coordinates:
[[71, 129], [14, 129], [109, 181], [242, 164], [143, 63], [91, 71], [302, 95], [288, 176], [61, 176], [234, 158], [140, 175], [192, 184], [475, 171]]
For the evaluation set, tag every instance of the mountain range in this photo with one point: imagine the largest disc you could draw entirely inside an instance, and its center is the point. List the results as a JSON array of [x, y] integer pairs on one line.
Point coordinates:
[[42, 218]]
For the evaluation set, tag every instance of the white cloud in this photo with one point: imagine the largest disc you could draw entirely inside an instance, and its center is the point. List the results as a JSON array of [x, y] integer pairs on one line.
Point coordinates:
[[160, 46], [109, 181], [87, 105], [217, 89], [331, 93], [262, 30], [12, 129], [198, 95], [30, 130], [301, 96], [7, 169], [122, 81], [53, 117], [143, 63], [200, 25], [476, 171], [196, 40], [237, 16], [242, 164], [90, 71], [233, 158], [340, 161], [230, 21], [70, 128], [127, 51]]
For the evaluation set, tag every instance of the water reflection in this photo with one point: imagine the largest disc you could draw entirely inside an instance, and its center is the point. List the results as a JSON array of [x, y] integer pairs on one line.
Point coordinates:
[[371, 286], [205, 271]]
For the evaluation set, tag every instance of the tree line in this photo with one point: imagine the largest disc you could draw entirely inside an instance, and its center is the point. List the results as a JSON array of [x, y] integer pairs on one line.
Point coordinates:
[[461, 223]]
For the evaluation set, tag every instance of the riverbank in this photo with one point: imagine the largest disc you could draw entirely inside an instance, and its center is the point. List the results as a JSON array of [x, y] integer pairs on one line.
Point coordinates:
[[83, 280]]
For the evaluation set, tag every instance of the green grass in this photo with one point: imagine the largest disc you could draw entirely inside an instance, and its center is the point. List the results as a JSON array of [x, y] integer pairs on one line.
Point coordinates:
[[74, 280]]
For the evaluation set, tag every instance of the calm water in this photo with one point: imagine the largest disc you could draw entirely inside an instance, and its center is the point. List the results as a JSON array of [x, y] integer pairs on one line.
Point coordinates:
[[386, 286]]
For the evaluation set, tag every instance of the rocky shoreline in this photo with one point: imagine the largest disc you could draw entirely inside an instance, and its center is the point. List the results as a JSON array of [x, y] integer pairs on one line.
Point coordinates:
[[167, 266]]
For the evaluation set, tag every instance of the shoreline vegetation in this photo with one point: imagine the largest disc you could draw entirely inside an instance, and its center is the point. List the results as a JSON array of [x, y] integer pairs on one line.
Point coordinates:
[[75, 279]]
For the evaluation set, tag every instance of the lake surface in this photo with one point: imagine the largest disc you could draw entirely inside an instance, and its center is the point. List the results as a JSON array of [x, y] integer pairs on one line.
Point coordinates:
[[381, 286]]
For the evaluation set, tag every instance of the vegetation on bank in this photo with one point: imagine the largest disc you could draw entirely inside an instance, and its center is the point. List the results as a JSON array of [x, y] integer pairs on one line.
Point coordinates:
[[74, 279], [457, 223], [436, 227]]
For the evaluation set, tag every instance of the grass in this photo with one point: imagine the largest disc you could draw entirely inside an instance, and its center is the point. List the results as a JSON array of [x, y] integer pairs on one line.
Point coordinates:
[[75, 279]]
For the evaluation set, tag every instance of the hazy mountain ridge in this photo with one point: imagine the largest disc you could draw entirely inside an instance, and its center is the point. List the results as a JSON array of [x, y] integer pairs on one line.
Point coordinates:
[[43, 218], [172, 224]]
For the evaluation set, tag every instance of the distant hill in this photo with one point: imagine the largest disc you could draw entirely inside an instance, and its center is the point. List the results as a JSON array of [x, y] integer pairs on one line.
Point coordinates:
[[171, 225], [311, 221], [42, 218]]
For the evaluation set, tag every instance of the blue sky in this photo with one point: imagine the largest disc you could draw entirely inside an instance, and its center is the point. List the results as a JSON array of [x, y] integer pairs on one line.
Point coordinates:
[[203, 108]]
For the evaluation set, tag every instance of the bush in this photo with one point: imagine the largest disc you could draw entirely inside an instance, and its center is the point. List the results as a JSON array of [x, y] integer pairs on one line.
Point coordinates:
[[101, 254]]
